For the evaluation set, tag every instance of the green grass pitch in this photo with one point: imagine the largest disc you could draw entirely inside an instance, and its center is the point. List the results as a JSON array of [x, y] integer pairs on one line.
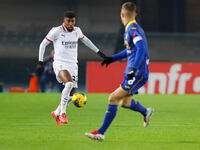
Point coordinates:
[[26, 124]]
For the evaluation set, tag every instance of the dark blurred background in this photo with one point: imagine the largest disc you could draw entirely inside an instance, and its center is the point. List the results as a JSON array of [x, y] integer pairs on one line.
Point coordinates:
[[172, 28]]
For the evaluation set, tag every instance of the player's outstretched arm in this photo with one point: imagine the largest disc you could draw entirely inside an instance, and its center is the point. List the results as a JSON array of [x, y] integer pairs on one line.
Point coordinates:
[[89, 44], [40, 66], [116, 57], [43, 45]]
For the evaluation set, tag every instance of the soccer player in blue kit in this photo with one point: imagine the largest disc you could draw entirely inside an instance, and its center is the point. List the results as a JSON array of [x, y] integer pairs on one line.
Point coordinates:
[[136, 73]]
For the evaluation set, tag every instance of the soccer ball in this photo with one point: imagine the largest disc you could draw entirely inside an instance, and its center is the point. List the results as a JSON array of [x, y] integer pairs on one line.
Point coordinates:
[[79, 99]]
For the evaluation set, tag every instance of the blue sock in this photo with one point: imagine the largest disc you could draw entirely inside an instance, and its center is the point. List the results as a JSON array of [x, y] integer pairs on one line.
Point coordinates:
[[136, 106], [109, 116]]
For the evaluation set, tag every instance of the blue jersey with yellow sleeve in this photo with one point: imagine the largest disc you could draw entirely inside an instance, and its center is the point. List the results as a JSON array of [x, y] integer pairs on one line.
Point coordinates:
[[137, 57], [136, 48]]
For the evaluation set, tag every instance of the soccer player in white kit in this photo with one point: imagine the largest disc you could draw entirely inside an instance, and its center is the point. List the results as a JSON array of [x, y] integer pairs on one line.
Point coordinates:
[[65, 40]]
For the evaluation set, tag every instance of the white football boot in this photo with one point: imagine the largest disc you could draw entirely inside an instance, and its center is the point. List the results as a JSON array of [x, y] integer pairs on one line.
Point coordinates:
[[95, 135], [147, 118]]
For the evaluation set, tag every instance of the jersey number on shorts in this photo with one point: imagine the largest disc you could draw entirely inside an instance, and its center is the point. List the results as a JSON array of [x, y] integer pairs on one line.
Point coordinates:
[[75, 78]]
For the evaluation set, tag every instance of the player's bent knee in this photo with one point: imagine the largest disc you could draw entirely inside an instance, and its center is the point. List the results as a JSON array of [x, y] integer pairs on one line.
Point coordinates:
[[113, 99], [68, 87], [65, 76], [121, 103], [125, 102], [69, 84]]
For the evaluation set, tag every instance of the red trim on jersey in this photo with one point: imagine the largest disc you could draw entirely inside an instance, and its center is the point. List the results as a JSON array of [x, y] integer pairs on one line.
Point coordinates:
[[64, 27], [82, 37], [134, 33], [49, 39]]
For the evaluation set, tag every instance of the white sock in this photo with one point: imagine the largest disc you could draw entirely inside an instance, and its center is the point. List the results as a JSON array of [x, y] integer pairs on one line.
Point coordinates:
[[65, 96], [69, 100], [57, 111]]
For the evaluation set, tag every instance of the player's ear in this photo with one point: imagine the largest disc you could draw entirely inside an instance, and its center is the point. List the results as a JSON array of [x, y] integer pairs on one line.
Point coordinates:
[[64, 19], [122, 15], [135, 14]]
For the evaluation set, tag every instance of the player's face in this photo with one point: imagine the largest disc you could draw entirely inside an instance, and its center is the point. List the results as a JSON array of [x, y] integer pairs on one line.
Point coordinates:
[[69, 23]]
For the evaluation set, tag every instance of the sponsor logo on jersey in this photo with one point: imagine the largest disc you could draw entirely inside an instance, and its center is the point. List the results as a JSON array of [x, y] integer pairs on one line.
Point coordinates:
[[69, 44]]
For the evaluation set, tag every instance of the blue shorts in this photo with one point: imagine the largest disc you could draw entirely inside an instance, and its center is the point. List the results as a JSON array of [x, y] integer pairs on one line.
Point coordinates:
[[133, 86]]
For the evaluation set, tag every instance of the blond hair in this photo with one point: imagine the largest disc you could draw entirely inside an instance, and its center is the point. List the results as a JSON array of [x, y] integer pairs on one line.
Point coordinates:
[[129, 9]]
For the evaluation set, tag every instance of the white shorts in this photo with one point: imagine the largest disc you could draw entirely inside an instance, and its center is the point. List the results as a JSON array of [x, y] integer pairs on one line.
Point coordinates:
[[72, 68]]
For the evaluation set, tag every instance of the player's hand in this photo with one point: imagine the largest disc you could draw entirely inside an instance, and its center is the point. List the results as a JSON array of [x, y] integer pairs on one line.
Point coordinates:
[[101, 54], [107, 61], [40, 68], [131, 74]]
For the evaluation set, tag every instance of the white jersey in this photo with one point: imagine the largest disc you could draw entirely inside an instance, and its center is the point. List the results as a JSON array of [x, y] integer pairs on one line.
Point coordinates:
[[66, 50], [65, 43]]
